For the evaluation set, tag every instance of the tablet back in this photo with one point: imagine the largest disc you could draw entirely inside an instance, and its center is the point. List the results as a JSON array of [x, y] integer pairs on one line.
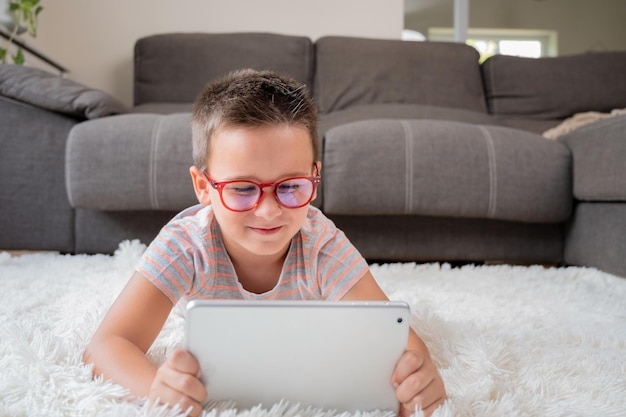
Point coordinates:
[[332, 355]]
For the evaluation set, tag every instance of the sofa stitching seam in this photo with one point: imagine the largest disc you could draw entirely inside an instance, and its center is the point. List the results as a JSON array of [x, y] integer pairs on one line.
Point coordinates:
[[152, 165], [408, 143], [493, 175], [68, 175]]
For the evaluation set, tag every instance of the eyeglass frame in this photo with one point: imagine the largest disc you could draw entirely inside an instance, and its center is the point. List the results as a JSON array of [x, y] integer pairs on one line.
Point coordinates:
[[219, 186]]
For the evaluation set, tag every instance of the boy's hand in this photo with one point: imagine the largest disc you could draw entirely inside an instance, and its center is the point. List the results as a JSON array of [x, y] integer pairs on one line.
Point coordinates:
[[177, 382], [417, 383]]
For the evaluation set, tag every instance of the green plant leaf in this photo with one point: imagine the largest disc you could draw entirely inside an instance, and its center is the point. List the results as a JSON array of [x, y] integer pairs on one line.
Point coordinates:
[[18, 58], [23, 13]]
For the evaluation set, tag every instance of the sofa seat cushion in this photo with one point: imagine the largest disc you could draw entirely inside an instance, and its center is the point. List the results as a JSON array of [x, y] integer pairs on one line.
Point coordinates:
[[354, 71], [439, 168], [599, 160], [131, 162]]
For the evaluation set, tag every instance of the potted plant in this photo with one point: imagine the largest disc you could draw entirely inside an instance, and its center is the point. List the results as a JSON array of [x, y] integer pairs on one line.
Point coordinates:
[[17, 16]]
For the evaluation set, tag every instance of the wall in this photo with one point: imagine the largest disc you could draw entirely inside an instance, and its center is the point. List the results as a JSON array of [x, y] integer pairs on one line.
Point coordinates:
[[582, 25], [95, 39]]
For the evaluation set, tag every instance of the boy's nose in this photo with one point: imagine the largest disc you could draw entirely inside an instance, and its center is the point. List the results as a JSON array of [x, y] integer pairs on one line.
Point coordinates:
[[268, 207]]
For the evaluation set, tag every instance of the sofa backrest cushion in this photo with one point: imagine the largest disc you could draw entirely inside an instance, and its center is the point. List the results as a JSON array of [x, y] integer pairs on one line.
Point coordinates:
[[175, 67], [555, 87], [354, 71]]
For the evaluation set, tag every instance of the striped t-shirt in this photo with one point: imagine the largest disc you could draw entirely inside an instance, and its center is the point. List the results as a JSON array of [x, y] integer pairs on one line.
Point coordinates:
[[188, 259]]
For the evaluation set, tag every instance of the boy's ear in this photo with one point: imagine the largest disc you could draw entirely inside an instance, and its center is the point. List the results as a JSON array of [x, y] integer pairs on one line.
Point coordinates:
[[318, 166], [200, 185]]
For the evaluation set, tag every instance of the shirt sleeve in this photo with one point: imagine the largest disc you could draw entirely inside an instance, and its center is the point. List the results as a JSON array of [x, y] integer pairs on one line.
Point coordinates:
[[340, 265], [168, 262]]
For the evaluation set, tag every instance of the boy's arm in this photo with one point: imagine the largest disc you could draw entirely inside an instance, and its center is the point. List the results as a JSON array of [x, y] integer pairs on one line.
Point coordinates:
[[118, 348], [416, 378]]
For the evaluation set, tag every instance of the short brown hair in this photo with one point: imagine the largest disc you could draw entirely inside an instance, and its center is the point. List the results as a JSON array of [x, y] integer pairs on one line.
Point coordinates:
[[250, 98]]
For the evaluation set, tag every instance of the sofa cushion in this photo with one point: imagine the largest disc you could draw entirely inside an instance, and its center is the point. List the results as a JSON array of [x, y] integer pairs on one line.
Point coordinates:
[[439, 168], [402, 111], [163, 108], [427, 239], [529, 124], [393, 111], [131, 162], [555, 88], [175, 67], [599, 160], [353, 71], [52, 92]]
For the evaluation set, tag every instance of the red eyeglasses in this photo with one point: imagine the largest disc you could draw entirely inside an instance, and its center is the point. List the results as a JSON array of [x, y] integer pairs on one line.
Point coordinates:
[[242, 195]]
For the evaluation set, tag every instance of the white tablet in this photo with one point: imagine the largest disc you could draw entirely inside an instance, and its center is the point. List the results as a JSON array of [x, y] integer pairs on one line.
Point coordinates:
[[331, 355]]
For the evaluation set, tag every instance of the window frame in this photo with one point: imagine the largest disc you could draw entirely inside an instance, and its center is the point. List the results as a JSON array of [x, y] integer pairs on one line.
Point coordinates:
[[547, 38]]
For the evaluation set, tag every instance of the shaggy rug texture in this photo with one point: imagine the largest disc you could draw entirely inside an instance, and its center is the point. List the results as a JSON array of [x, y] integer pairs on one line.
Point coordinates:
[[510, 341]]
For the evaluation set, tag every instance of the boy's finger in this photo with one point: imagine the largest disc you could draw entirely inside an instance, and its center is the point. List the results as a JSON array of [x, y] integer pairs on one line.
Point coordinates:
[[430, 394], [180, 388], [432, 407], [182, 383], [184, 362], [408, 364], [413, 389], [167, 389], [428, 399], [173, 398]]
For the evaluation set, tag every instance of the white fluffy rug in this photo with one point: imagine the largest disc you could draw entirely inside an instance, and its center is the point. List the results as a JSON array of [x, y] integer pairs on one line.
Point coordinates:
[[510, 341]]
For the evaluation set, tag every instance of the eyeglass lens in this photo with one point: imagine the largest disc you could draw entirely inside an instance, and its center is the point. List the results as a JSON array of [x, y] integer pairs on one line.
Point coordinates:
[[243, 195]]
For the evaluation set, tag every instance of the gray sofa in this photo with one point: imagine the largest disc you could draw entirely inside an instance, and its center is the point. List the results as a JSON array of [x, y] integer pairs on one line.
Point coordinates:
[[427, 154]]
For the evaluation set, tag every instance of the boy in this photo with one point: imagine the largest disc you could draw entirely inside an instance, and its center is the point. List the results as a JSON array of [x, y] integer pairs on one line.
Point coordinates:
[[254, 235]]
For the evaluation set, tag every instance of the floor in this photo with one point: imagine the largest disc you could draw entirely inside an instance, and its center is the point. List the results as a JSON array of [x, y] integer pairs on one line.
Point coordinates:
[[21, 252]]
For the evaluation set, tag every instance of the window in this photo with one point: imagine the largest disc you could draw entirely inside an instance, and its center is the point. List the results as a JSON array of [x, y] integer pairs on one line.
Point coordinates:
[[519, 42]]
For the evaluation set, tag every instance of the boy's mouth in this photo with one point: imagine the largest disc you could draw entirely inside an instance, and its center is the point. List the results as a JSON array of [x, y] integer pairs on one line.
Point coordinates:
[[266, 230]]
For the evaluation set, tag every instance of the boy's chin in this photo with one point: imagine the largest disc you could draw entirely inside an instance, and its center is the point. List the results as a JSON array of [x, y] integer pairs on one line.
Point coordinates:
[[267, 248], [264, 244]]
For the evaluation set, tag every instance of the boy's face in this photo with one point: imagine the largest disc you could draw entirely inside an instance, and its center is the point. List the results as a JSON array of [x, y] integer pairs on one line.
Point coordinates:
[[264, 154]]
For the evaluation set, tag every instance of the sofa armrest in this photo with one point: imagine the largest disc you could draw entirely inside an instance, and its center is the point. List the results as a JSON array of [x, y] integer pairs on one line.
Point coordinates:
[[51, 92], [599, 160]]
